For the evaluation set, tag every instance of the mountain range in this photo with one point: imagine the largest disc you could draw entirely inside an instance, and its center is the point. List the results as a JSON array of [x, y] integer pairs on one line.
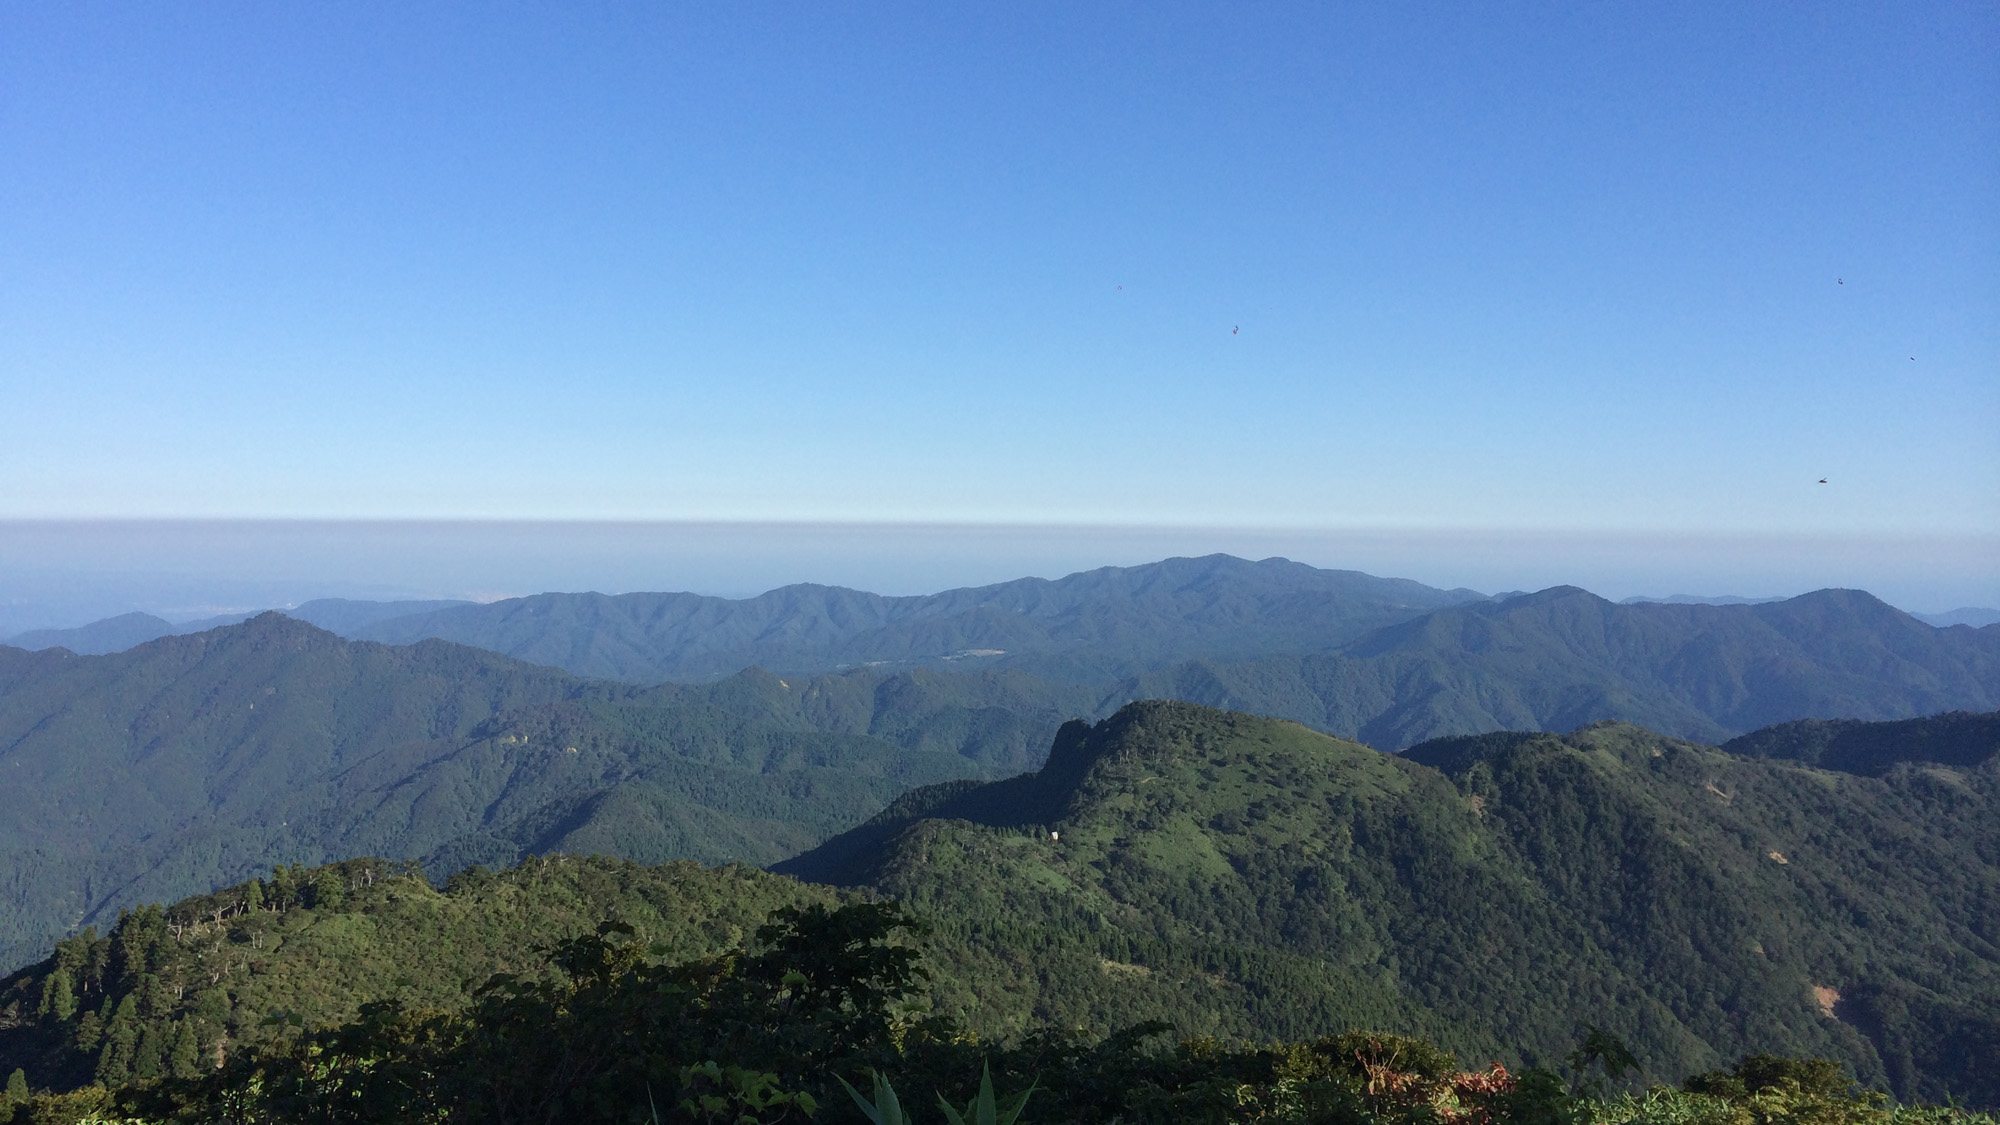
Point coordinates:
[[191, 761], [1101, 624], [127, 630], [1562, 657], [1094, 627], [1238, 876]]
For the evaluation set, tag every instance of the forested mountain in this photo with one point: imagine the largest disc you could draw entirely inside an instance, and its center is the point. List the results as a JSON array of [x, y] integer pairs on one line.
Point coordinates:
[[1563, 657], [1959, 738], [1095, 626], [310, 947], [1258, 878], [1233, 875], [1385, 661], [193, 761]]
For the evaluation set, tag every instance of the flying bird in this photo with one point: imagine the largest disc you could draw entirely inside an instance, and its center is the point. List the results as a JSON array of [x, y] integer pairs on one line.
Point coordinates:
[[1822, 480], [1839, 281], [1235, 330]]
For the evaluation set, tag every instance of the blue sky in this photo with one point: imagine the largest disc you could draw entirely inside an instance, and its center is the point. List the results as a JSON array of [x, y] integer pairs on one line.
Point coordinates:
[[1589, 268]]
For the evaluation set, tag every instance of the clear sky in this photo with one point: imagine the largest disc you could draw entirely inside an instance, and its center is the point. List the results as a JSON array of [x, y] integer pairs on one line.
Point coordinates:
[[1590, 268]]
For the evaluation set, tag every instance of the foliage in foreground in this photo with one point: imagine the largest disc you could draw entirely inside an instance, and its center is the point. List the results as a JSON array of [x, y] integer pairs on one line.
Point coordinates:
[[785, 1027]]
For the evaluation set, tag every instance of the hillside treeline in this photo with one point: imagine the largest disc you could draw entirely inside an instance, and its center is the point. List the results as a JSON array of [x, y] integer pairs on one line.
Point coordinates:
[[817, 1015]]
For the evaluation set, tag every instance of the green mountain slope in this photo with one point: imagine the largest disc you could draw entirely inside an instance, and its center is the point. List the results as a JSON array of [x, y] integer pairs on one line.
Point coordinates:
[[193, 761], [1564, 657], [172, 990], [1256, 878], [1959, 738], [1095, 626]]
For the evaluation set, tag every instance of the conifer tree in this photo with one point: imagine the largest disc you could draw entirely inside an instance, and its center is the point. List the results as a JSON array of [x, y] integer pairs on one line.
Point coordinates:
[[149, 1059], [284, 887], [90, 1029], [329, 890], [17, 1087], [185, 1059], [58, 996], [121, 1040]]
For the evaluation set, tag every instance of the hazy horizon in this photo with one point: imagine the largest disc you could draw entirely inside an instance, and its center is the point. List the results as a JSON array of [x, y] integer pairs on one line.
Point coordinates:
[[59, 574]]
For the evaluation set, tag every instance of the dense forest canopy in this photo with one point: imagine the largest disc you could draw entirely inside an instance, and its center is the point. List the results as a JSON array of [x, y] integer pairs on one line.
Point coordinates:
[[1240, 878], [1255, 877]]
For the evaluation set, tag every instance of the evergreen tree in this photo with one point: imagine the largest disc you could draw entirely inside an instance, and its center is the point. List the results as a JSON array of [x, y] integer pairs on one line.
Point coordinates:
[[149, 1059], [185, 1059], [153, 998], [58, 998], [121, 1040], [253, 896], [329, 889], [97, 963], [17, 1087], [90, 1029], [284, 886]]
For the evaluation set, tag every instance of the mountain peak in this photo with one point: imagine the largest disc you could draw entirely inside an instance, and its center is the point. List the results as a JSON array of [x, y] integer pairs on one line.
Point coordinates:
[[1153, 751], [272, 628], [1551, 594]]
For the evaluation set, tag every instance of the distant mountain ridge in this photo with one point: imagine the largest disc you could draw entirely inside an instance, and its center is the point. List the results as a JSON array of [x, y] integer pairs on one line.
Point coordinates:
[[116, 634], [1973, 616], [1563, 657], [1698, 599], [1098, 627], [1091, 626]]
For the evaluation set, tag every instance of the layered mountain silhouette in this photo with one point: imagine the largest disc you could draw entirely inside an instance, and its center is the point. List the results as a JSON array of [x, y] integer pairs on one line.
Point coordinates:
[[1387, 661], [116, 634], [194, 761], [1563, 657], [1094, 626], [1257, 878]]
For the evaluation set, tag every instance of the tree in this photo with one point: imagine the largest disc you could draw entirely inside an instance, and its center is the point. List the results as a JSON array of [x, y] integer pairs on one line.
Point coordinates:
[[184, 1060], [284, 886], [58, 996], [329, 889], [121, 1039]]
